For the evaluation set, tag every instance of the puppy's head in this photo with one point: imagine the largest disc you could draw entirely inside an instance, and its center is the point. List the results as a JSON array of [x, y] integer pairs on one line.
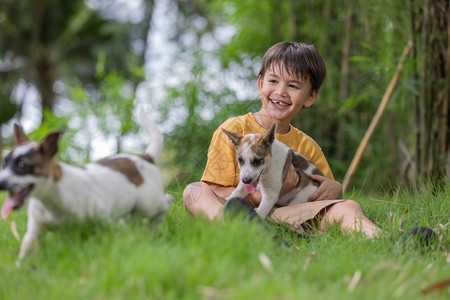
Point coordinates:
[[26, 166], [253, 153]]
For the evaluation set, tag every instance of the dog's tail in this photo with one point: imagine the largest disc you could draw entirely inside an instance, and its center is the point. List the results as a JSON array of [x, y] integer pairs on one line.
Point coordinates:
[[156, 138]]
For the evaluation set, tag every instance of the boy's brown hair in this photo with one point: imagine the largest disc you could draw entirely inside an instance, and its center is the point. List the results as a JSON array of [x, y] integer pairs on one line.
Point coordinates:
[[298, 59]]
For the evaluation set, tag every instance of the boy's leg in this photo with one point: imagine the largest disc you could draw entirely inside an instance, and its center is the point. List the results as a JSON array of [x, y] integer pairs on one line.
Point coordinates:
[[199, 198], [347, 213], [351, 218]]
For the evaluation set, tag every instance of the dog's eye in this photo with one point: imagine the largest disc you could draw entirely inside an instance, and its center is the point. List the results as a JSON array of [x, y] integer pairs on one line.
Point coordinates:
[[256, 162], [20, 164], [240, 160], [21, 167]]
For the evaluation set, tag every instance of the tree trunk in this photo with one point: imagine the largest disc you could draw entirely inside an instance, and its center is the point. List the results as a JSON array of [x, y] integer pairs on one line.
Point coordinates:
[[344, 77], [45, 80], [278, 19], [345, 62], [41, 61], [1, 146], [293, 21], [434, 90]]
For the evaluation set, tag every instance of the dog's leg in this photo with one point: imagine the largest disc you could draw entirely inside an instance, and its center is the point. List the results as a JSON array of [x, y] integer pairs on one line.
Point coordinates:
[[239, 192], [155, 220], [38, 217], [268, 199], [154, 208], [30, 238], [303, 194]]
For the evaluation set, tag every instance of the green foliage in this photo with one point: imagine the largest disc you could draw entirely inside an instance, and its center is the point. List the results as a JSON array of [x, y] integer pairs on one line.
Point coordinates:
[[52, 41], [105, 110], [8, 110], [192, 258], [198, 105]]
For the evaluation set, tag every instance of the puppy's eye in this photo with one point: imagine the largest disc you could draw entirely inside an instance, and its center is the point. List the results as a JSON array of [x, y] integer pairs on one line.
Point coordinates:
[[240, 160], [20, 164], [256, 162]]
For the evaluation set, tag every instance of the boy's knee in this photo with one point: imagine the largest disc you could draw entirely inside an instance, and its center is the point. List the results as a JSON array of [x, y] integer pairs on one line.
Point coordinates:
[[350, 205], [192, 193], [345, 208]]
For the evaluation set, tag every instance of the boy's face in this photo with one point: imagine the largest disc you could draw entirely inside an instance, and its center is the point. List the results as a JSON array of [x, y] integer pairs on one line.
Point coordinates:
[[284, 95]]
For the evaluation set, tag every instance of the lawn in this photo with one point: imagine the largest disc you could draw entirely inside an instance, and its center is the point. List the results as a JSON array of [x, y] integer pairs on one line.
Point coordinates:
[[191, 258]]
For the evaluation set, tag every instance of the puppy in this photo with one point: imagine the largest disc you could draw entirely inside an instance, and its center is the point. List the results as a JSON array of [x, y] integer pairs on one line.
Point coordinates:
[[264, 162], [59, 193]]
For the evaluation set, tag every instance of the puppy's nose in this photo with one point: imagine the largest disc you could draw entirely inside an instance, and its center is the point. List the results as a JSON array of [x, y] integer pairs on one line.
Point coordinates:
[[247, 180]]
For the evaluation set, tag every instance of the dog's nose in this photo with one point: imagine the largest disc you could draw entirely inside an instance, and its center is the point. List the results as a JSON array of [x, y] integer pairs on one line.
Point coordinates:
[[247, 180]]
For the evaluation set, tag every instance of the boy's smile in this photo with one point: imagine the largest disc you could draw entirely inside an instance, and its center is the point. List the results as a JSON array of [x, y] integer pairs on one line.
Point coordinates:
[[279, 103], [283, 96]]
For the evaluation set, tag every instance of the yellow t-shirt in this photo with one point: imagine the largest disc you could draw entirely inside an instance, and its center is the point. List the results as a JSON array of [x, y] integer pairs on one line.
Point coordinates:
[[222, 167]]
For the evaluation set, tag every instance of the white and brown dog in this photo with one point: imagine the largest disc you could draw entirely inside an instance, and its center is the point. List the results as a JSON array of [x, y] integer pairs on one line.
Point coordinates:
[[59, 193], [264, 162]]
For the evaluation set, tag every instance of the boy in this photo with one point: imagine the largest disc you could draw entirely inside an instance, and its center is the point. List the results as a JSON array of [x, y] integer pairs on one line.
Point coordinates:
[[290, 78]]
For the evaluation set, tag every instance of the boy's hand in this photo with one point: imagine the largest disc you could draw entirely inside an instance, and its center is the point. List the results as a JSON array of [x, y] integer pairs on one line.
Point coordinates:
[[328, 189], [290, 181]]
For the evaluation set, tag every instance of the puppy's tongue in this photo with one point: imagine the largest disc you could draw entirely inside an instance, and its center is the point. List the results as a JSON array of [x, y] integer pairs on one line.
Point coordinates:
[[15, 200], [251, 187], [8, 206]]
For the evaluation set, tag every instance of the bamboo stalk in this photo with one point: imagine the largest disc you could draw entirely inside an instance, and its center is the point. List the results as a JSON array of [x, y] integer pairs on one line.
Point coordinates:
[[384, 101]]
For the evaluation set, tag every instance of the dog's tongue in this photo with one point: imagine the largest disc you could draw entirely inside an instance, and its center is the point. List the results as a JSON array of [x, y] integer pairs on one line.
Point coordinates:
[[14, 200], [8, 206], [251, 187]]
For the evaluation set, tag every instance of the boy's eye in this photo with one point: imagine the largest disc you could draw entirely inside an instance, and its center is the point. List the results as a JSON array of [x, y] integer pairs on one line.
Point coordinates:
[[256, 162], [293, 86]]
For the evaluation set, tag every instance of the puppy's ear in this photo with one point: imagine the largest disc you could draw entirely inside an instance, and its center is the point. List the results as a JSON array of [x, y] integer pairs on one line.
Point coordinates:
[[49, 145], [235, 138], [19, 135], [269, 135]]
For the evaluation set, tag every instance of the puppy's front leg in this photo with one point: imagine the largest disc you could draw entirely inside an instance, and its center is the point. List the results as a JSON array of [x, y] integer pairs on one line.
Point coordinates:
[[38, 218], [31, 236], [268, 200], [239, 192]]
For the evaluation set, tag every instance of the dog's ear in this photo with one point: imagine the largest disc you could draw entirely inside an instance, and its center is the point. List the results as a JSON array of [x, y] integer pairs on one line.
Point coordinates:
[[19, 135], [269, 135], [49, 145], [235, 138]]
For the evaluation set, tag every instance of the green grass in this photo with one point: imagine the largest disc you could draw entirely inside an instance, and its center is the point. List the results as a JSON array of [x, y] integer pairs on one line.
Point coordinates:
[[191, 258]]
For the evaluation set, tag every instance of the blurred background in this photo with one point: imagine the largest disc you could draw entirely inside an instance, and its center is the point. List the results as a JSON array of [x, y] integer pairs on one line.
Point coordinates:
[[84, 66]]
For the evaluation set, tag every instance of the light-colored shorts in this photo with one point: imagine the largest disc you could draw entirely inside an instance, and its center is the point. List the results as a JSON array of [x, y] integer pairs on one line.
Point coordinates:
[[297, 217], [300, 217]]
